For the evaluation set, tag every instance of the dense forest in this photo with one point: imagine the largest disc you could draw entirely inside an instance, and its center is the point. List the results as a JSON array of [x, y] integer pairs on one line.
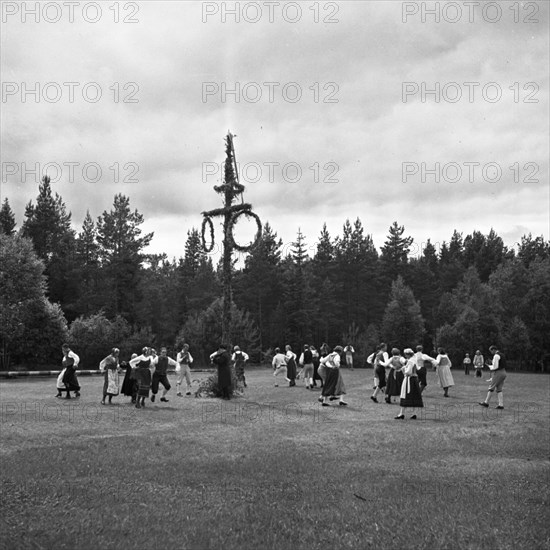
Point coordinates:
[[97, 288]]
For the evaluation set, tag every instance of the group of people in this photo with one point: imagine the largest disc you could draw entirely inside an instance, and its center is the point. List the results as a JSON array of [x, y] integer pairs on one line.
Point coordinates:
[[478, 363], [399, 375], [407, 377], [321, 366]]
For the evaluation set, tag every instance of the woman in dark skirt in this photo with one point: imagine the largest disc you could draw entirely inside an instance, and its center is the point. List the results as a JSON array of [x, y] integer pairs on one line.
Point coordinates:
[[410, 390], [222, 361], [142, 367], [395, 376], [332, 365], [290, 366], [129, 384], [69, 379], [316, 362]]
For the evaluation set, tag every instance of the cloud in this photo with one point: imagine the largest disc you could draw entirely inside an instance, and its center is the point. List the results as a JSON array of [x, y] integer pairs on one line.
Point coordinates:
[[349, 134]]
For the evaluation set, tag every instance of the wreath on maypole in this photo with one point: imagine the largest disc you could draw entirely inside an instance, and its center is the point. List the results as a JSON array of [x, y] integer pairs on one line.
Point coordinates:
[[207, 221], [230, 189], [249, 214]]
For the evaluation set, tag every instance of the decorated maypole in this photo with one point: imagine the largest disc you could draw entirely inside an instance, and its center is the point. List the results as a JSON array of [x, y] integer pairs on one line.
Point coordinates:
[[230, 189]]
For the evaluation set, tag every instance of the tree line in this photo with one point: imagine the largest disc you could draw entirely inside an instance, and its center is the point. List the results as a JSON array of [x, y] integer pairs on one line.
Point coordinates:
[[98, 287]]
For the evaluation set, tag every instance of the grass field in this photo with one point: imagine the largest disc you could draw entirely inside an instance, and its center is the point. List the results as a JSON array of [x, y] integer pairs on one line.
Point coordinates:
[[273, 469]]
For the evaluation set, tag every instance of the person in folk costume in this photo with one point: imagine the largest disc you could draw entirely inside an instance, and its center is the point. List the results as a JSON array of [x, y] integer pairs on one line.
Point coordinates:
[[467, 362], [183, 370], [410, 389], [443, 365], [370, 361], [332, 366], [498, 371], [110, 369], [316, 363], [306, 360], [129, 384], [239, 359], [322, 370], [381, 361], [279, 366], [67, 380], [160, 376], [290, 365], [222, 361], [479, 361], [395, 376], [142, 364], [340, 386], [349, 351], [420, 357]]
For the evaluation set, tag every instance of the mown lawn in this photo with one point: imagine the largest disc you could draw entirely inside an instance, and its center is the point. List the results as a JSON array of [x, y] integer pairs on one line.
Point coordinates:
[[273, 469]]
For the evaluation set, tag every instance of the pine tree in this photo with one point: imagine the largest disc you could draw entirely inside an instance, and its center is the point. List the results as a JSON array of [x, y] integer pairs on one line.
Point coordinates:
[[88, 273], [325, 248], [48, 226], [530, 249], [7, 219], [429, 257], [258, 288], [484, 253], [322, 271], [194, 253], [395, 252], [121, 254], [298, 295], [402, 324]]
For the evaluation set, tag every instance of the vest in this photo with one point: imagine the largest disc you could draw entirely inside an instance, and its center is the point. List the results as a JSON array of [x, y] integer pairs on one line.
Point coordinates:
[[308, 357], [396, 362], [144, 364], [501, 362], [162, 365]]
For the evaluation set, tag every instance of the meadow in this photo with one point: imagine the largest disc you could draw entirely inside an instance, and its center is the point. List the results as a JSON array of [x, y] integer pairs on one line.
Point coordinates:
[[274, 469]]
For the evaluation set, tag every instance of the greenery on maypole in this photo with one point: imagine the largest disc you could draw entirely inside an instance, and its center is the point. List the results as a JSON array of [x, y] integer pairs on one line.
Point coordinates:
[[230, 189]]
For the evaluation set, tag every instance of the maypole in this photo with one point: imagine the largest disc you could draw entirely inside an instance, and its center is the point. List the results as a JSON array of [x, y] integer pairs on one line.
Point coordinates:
[[230, 189]]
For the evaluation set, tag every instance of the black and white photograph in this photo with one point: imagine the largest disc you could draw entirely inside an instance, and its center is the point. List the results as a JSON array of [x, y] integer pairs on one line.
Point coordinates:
[[274, 275]]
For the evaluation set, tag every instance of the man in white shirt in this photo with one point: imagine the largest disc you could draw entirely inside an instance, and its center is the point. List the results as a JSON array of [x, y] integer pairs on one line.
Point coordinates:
[[183, 370], [239, 358], [498, 371], [279, 366], [349, 351]]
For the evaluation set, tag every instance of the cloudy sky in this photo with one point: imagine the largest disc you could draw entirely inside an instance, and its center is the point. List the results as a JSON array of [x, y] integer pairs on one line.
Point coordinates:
[[339, 91]]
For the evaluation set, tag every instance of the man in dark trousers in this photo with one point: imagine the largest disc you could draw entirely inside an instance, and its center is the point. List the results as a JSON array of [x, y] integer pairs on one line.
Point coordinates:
[[160, 376]]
